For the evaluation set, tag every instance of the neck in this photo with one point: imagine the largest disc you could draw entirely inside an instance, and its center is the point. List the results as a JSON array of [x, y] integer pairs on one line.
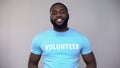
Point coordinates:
[[61, 30]]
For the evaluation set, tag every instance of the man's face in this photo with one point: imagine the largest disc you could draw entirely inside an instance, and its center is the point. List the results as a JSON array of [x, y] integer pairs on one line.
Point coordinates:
[[59, 16]]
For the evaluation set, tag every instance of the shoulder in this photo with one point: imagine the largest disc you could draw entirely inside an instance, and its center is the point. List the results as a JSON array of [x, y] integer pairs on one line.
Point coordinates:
[[43, 34], [76, 33], [79, 35]]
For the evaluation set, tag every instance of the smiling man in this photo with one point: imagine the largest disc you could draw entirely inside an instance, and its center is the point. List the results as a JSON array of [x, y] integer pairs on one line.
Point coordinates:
[[61, 46], [59, 17]]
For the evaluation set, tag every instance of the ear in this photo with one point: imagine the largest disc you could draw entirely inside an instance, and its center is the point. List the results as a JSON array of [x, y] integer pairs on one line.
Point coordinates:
[[68, 14]]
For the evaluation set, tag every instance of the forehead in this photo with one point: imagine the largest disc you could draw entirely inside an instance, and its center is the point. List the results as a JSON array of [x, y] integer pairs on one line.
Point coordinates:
[[58, 6]]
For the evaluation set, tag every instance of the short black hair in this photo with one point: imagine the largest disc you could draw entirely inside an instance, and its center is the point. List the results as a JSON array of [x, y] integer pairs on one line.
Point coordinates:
[[58, 3]]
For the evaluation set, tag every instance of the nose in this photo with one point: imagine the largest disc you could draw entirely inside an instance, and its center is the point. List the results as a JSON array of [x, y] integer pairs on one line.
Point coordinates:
[[58, 14]]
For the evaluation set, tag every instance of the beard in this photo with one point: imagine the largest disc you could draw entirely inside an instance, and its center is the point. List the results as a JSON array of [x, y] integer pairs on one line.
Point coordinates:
[[62, 26]]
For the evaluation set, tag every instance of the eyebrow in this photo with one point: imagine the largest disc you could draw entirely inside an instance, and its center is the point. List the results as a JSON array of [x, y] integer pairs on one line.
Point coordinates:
[[63, 9]]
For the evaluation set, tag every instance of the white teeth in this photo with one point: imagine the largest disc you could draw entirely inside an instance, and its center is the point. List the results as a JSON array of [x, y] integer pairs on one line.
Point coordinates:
[[59, 20]]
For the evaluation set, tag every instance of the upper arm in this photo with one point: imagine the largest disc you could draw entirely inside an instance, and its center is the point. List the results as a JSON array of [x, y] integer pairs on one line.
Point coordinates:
[[87, 54], [35, 53], [86, 46], [89, 59], [36, 46], [33, 60]]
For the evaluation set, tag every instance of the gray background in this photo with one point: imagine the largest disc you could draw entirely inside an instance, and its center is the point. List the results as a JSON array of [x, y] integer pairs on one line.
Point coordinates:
[[21, 20]]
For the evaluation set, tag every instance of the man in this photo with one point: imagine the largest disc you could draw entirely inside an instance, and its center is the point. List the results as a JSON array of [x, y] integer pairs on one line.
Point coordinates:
[[61, 46]]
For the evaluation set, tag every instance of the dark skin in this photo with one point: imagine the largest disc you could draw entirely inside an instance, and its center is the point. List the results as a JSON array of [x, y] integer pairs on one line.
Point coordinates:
[[33, 60], [59, 12], [90, 61]]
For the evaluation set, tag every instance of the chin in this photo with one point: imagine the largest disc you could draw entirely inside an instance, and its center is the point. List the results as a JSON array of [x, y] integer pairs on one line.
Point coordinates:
[[59, 23]]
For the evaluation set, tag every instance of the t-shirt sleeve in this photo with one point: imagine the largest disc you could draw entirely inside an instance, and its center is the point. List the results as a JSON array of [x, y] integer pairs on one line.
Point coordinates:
[[86, 47], [36, 46]]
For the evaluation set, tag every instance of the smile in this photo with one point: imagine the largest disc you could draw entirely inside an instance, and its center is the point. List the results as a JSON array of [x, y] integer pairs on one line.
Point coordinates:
[[59, 20]]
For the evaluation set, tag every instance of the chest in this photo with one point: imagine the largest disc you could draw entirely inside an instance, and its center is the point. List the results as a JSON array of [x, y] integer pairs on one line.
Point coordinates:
[[61, 47]]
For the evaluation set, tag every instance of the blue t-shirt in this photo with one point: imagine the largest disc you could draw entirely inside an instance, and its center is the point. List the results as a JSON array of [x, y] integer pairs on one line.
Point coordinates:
[[61, 49]]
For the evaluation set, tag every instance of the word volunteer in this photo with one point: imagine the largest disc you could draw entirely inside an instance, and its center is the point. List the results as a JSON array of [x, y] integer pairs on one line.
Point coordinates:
[[61, 46]]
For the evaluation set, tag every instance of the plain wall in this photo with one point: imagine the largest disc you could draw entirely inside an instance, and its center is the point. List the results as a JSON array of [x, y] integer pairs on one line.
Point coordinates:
[[21, 20]]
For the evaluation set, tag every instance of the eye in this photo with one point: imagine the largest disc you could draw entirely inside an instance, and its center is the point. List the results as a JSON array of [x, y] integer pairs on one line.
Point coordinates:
[[63, 11], [53, 13]]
